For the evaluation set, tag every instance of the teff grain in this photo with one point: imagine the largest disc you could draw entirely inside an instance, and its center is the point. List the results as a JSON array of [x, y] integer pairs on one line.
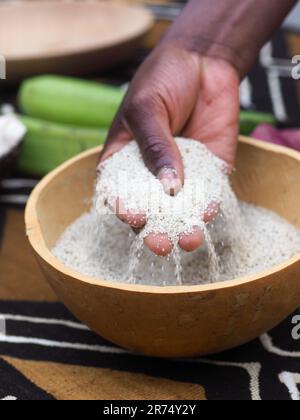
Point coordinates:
[[244, 240]]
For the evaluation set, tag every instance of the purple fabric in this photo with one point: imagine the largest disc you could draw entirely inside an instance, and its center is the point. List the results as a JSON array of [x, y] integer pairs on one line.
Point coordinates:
[[288, 137]]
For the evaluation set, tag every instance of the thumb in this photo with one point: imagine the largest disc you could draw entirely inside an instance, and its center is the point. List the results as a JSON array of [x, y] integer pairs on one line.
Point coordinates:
[[117, 138], [150, 125]]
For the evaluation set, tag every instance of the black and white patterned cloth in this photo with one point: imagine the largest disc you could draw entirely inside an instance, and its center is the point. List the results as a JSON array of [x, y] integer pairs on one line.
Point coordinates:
[[270, 86], [265, 369]]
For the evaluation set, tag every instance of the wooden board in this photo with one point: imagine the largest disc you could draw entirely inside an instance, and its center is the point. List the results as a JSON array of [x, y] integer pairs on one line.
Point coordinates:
[[69, 37]]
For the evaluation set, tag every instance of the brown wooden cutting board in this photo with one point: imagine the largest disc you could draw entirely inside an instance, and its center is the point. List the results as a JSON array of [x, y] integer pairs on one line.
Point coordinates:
[[69, 37]]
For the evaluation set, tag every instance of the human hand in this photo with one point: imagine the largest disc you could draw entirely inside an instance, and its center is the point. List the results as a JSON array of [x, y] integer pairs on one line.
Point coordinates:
[[177, 92]]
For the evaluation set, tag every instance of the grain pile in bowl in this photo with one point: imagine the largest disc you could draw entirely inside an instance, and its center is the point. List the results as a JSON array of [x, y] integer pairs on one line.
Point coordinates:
[[242, 240]]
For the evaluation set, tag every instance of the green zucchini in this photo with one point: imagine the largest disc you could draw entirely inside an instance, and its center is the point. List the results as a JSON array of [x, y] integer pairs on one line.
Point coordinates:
[[46, 145], [249, 120], [89, 104], [69, 100]]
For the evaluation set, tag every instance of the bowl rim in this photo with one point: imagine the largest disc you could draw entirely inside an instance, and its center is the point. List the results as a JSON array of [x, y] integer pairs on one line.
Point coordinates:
[[36, 240]]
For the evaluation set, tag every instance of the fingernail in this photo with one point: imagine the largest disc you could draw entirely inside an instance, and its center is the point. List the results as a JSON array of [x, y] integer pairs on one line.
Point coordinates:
[[170, 181]]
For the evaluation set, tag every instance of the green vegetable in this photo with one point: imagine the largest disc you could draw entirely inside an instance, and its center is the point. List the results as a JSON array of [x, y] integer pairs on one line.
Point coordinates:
[[89, 104], [249, 120], [70, 101], [47, 145]]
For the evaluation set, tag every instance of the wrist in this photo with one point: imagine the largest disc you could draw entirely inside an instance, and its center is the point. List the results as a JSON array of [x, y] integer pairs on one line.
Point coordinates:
[[200, 59], [207, 47], [229, 30]]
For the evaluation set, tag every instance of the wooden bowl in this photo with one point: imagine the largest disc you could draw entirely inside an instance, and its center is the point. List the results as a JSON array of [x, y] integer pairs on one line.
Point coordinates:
[[74, 38], [173, 321]]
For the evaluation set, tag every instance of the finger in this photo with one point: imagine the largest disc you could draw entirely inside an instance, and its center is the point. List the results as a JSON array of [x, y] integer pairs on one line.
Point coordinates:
[[191, 241], [149, 122], [160, 244], [135, 219], [211, 212]]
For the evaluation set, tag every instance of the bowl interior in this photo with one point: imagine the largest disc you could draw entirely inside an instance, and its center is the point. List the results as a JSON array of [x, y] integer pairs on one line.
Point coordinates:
[[269, 176], [266, 175]]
